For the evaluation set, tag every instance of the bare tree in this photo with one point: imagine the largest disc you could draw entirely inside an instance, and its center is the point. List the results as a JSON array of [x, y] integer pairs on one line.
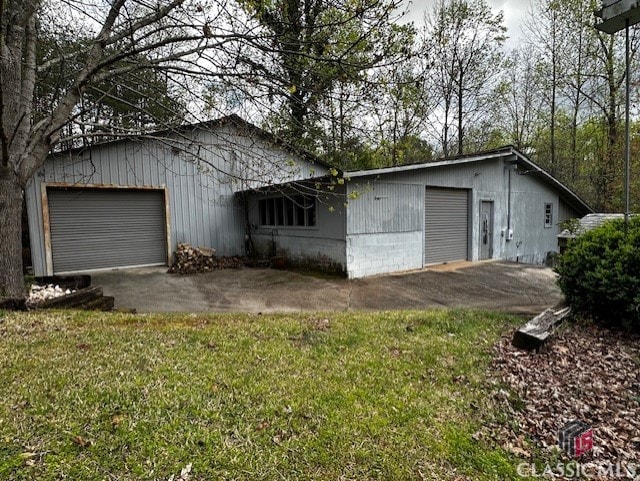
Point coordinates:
[[584, 75], [463, 40], [545, 34], [580, 34], [519, 97]]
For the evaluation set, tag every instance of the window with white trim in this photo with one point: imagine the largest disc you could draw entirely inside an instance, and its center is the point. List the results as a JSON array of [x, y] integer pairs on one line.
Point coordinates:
[[548, 214], [293, 211]]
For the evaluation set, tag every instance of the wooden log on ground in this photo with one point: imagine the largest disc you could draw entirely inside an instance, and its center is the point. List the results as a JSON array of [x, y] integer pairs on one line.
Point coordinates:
[[11, 304], [72, 300], [535, 333]]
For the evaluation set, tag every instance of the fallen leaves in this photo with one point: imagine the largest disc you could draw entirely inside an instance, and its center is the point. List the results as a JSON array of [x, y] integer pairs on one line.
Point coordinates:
[[82, 441], [588, 374], [185, 474]]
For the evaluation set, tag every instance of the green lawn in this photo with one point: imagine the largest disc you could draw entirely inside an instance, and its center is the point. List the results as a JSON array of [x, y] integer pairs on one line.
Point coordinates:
[[360, 396]]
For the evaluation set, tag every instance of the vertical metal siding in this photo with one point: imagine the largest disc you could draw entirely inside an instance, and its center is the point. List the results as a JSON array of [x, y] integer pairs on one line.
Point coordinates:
[[384, 208], [101, 228], [565, 212], [203, 210], [446, 225]]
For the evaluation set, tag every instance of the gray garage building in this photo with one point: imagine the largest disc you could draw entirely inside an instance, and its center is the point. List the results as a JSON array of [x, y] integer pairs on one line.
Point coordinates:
[[227, 184], [129, 202], [493, 205]]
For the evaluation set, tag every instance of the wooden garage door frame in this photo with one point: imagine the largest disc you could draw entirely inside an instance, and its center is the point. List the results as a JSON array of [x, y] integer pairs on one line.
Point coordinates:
[[46, 219], [469, 229]]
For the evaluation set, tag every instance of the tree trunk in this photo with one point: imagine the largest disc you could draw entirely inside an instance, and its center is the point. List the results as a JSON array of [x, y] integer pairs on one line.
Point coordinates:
[[11, 279], [445, 132], [553, 161], [576, 111], [460, 119]]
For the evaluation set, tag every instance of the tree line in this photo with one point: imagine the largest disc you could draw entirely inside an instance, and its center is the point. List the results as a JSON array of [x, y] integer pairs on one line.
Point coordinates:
[[558, 96]]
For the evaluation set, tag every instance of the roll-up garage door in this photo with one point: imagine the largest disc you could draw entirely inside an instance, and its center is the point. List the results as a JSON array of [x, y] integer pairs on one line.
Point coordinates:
[[104, 228], [446, 225]]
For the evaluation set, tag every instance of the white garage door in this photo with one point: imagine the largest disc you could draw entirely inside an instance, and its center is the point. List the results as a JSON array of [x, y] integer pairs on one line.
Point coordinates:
[[446, 230], [103, 228]]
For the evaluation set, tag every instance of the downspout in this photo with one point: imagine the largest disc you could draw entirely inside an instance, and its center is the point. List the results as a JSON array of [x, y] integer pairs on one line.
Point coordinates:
[[508, 234], [509, 203]]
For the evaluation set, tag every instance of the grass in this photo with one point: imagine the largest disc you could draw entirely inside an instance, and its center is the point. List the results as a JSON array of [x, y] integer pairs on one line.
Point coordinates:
[[325, 397]]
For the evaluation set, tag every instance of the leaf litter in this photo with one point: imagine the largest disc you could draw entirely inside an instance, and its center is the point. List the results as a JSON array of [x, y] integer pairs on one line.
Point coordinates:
[[585, 373]]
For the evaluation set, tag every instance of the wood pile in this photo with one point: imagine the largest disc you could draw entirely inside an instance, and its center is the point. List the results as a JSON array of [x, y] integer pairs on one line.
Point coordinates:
[[194, 260]]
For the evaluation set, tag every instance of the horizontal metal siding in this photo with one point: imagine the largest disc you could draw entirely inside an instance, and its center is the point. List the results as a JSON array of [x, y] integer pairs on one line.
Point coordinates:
[[102, 228], [446, 225]]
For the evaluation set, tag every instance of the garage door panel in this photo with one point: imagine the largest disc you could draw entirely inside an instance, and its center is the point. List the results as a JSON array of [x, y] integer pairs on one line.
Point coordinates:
[[103, 228], [446, 225]]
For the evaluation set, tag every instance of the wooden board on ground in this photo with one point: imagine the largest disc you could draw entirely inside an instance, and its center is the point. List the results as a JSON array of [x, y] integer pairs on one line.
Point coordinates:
[[535, 333]]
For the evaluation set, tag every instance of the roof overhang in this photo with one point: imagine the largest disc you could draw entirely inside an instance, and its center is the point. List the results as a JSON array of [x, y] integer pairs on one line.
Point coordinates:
[[427, 165], [615, 15]]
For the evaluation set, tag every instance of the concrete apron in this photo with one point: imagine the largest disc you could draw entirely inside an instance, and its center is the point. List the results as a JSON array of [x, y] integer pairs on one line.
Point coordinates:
[[503, 286]]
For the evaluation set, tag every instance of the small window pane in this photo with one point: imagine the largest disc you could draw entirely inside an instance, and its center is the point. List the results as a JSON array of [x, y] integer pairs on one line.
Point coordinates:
[[262, 207], [288, 212], [311, 211], [548, 215], [300, 211], [311, 216], [279, 211], [270, 212]]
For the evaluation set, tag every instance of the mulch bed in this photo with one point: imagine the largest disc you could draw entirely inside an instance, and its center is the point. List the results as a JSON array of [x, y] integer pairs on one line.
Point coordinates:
[[585, 373]]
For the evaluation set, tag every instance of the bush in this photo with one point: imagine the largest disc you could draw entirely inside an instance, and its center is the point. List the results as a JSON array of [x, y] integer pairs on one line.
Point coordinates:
[[600, 274]]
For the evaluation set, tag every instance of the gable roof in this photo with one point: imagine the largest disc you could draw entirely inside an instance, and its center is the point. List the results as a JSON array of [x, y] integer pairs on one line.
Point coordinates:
[[232, 119], [509, 153]]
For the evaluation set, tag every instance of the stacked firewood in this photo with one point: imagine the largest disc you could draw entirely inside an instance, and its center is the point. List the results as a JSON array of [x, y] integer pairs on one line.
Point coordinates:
[[193, 260]]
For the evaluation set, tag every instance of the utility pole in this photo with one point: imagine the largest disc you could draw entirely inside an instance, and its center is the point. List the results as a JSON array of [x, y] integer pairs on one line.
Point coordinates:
[[617, 15]]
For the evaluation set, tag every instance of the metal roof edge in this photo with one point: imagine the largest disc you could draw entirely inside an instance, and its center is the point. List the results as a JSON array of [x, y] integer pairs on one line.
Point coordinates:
[[569, 195], [493, 154], [232, 119]]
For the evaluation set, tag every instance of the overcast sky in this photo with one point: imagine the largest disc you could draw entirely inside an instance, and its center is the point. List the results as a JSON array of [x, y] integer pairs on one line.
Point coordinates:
[[514, 13]]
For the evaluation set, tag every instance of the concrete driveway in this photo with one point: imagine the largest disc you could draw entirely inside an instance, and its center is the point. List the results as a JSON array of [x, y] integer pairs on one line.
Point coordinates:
[[508, 287]]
